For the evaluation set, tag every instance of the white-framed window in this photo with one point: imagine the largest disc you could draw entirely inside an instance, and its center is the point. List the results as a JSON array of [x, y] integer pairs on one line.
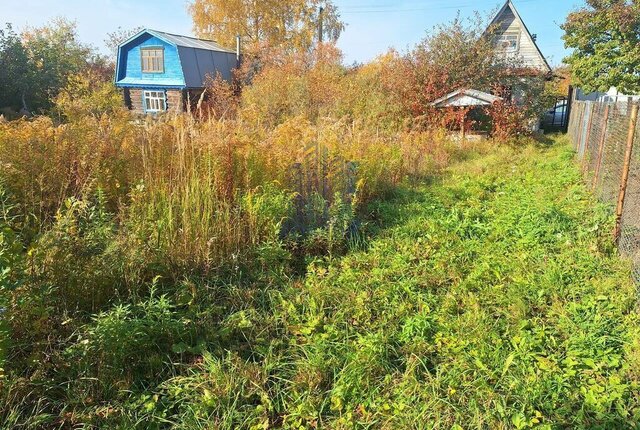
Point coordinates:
[[508, 42], [154, 101], [152, 60]]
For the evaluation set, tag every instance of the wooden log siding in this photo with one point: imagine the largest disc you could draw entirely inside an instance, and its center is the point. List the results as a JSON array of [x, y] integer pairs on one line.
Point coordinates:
[[174, 98], [136, 100], [175, 101]]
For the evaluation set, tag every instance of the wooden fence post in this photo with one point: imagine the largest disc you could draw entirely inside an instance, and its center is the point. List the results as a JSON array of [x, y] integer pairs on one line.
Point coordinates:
[[625, 171], [603, 138]]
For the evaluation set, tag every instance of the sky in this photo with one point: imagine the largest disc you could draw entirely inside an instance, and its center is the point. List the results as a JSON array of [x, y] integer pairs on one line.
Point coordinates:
[[373, 26]]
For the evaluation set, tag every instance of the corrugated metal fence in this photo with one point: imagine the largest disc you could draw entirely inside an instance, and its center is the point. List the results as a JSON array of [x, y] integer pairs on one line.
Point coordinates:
[[607, 142]]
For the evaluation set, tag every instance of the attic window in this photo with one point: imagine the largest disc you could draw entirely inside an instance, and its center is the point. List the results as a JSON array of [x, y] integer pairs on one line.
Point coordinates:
[[152, 60], [508, 42]]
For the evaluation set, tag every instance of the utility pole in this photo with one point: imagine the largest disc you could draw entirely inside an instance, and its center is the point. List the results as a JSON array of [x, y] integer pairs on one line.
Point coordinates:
[[320, 23], [238, 50]]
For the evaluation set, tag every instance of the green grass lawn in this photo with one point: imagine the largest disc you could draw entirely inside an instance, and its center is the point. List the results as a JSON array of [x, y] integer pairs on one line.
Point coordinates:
[[490, 297]]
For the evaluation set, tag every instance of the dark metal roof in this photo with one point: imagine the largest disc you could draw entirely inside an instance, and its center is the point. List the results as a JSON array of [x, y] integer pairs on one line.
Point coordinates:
[[189, 42]]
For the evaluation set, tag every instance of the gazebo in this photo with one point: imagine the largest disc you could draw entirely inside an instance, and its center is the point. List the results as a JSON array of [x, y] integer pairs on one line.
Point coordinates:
[[464, 99]]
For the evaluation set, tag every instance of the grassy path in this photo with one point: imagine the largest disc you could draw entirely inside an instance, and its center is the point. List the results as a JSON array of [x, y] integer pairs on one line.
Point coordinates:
[[491, 299]]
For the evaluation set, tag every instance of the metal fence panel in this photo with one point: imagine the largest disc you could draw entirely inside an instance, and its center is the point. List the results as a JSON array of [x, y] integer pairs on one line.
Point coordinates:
[[600, 133]]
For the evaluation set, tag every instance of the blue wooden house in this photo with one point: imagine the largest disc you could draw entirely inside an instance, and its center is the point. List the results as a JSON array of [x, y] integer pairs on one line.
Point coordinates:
[[161, 71]]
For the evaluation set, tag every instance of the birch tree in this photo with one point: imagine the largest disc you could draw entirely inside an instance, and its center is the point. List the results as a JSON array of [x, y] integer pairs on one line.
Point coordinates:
[[288, 24]]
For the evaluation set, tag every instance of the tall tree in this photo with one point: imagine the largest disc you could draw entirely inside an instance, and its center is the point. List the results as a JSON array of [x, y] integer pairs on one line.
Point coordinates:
[[605, 37], [37, 64], [56, 54], [289, 24], [456, 55], [15, 70]]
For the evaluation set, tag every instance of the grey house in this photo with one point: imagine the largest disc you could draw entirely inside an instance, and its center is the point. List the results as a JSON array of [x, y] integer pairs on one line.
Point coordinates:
[[513, 39]]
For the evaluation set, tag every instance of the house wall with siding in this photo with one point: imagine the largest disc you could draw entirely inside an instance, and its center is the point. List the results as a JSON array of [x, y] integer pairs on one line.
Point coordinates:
[[527, 51], [135, 97], [186, 68], [130, 67], [174, 99]]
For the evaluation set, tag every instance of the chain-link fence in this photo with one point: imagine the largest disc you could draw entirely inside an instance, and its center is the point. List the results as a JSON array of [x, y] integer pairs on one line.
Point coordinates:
[[318, 180], [608, 146]]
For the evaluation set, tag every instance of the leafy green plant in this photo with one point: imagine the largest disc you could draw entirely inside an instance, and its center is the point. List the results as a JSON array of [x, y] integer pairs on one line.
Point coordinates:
[[109, 347], [10, 261]]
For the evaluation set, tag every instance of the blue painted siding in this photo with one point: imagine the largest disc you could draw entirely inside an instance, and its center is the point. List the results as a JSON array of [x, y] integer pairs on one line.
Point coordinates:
[[130, 66]]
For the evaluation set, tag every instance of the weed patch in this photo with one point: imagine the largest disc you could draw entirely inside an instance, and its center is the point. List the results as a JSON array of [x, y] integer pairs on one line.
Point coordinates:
[[487, 297]]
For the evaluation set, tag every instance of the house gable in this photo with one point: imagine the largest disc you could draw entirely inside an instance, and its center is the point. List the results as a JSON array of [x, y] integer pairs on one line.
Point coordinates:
[[129, 69], [509, 27]]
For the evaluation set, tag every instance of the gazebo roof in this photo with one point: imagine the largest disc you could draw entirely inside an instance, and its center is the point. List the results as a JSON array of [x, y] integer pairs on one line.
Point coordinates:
[[466, 98]]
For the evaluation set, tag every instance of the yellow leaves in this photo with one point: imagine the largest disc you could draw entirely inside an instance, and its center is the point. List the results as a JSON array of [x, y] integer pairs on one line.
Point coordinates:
[[306, 85], [87, 95], [545, 364], [336, 403], [288, 24]]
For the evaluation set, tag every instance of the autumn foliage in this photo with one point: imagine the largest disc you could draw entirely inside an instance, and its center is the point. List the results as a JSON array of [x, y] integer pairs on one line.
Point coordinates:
[[291, 25]]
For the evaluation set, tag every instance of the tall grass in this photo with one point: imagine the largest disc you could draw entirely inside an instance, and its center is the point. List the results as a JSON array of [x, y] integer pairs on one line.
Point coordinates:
[[182, 187], [492, 298], [106, 206]]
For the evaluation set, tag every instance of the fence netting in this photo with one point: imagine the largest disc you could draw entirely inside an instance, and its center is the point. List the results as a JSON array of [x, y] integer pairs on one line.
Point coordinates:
[[318, 180], [603, 135]]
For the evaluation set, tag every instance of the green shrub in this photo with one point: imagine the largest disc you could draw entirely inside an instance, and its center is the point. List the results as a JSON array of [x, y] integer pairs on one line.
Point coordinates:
[[76, 257], [131, 342], [10, 263], [87, 95], [115, 358], [72, 271]]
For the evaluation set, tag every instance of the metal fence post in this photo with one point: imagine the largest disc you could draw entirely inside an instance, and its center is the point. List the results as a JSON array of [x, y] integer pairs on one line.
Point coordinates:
[[625, 171], [603, 138]]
